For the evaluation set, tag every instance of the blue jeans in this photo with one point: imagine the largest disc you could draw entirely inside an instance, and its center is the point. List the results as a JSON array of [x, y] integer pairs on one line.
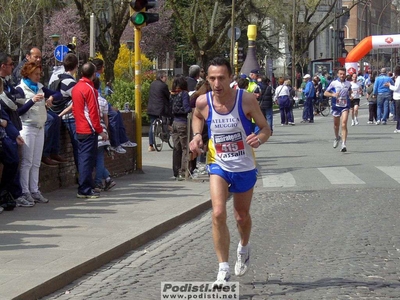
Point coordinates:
[[152, 118], [70, 124], [116, 128], [308, 111], [10, 160], [101, 170], [87, 153], [51, 134], [383, 106], [269, 115]]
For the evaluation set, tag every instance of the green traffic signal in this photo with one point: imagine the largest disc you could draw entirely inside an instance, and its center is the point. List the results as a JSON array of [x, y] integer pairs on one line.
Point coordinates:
[[138, 19], [139, 16]]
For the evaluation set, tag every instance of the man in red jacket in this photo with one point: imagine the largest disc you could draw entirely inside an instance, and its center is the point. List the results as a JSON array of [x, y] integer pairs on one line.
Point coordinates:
[[87, 118]]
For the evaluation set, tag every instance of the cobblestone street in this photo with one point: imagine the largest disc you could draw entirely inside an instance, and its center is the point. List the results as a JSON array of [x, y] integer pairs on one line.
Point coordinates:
[[326, 244]]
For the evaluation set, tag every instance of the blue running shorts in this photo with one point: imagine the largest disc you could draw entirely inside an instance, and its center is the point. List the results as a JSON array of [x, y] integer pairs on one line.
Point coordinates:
[[238, 182], [337, 111]]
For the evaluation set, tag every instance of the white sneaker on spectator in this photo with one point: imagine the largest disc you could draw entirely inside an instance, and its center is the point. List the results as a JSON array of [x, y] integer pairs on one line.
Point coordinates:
[[38, 197], [119, 150], [129, 144], [352, 123], [28, 197], [356, 121], [23, 202]]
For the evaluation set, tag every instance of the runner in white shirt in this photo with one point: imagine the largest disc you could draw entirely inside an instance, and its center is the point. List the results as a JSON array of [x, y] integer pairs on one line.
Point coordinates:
[[356, 92]]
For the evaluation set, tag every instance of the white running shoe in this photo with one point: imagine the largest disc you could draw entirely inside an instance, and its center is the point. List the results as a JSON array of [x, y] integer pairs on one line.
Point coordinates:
[[336, 142], [23, 202], [378, 122], [222, 277], [119, 150], [356, 121], [352, 123], [397, 131], [343, 149], [242, 262], [38, 197], [129, 144]]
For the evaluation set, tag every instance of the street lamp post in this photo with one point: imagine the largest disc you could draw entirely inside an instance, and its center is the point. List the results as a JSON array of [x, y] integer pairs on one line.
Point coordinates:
[[129, 44], [55, 38]]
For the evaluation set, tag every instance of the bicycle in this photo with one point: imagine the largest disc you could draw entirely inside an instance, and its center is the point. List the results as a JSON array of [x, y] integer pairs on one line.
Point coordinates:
[[161, 133], [324, 107]]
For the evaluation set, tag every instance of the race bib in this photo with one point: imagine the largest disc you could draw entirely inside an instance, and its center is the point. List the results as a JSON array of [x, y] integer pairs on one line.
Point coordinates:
[[341, 102], [229, 146]]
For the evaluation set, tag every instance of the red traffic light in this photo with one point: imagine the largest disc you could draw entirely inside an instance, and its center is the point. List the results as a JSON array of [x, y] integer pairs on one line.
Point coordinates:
[[138, 5]]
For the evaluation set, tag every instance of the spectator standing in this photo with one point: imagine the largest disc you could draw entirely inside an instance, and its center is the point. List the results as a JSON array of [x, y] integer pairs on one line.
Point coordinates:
[[193, 78], [340, 91], [266, 101], [383, 95], [9, 156], [11, 110], [371, 98], [158, 104], [309, 95], [231, 159], [33, 122], [292, 94], [283, 100], [396, 97], [180, 106], [64, 107], [87, 118]]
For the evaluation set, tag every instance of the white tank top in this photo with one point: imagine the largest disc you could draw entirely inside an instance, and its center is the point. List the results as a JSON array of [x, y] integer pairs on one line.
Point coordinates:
[[227, 133]]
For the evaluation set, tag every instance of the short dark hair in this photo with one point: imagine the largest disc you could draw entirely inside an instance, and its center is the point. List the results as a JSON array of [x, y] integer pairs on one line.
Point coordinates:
[[4, 58], [98, 62], [160, 74], [88, 70], [70, 62], [243, 83], [342, 69], [179, 82], [96, 83], [220, 61]]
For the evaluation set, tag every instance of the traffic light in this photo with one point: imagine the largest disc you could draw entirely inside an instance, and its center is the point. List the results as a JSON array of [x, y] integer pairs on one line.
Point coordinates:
[[235, 54], [139, 15], [240, 55], [72, 46]]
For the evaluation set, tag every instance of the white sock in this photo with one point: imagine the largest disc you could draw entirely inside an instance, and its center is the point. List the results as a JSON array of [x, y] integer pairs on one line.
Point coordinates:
[[224, 266], [242, 249]]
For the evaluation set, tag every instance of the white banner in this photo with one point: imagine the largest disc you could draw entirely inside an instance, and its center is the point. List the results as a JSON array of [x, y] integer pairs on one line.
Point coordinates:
[[199, 290], [386, 41]]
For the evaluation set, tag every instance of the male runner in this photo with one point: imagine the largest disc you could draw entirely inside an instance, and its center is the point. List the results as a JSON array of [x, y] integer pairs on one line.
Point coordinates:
[[231, 163], [340, 91]]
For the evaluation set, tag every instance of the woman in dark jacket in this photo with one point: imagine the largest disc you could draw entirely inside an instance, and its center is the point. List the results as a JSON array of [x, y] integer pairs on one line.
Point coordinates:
[[158, 104], [266, 100]]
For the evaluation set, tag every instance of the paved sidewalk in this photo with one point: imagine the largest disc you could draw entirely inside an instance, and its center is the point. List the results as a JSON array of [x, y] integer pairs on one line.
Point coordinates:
[[45, 247]]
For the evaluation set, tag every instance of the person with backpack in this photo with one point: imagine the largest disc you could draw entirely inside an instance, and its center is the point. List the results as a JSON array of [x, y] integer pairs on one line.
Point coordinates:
[[180, 107], [266, 100]]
